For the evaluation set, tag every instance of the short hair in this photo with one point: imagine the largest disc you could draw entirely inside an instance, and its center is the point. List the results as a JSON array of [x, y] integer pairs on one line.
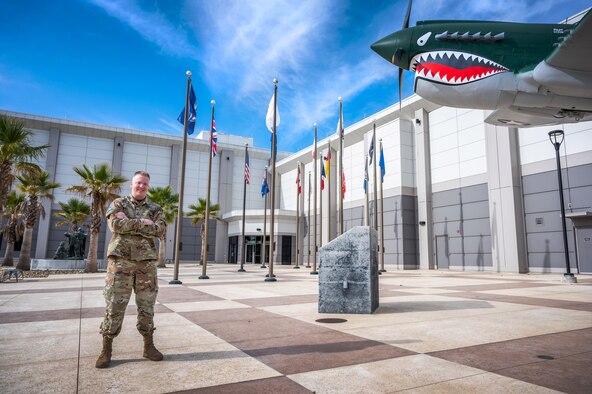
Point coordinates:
[[143, 173]]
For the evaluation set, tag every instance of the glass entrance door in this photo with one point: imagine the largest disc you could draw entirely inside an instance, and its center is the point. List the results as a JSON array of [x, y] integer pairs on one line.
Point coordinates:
[[250, 253]]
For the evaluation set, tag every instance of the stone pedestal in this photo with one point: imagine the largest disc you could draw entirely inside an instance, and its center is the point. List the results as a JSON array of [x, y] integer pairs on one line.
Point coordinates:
[[348, 273], [51, 264]]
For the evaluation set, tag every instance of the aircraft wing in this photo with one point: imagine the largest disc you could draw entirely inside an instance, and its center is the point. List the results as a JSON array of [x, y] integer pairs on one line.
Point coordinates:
[[566, 74], [575, 53], [567, 71], [514, 116]]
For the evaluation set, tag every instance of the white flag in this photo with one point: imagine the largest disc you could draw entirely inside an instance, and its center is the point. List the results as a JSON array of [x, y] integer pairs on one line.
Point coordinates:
[[339, 130], [269, 117]]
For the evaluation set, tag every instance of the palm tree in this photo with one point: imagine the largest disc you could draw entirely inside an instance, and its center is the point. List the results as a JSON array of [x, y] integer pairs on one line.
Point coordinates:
[[169, 202], [198, 214], [102, 187], [37, 188], [73, 212], [13, 230], [16, 153]]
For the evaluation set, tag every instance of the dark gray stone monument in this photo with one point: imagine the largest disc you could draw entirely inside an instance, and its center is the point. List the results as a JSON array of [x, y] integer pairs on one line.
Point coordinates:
[[348, 273]]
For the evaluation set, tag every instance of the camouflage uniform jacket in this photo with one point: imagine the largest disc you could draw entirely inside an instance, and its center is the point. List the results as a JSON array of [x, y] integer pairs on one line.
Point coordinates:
[[132, 239]]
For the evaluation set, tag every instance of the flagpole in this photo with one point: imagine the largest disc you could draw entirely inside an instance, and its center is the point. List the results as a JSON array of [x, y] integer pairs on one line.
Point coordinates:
[[340, 164], [270, 276], [204, 246], [374, 199], [315, 170], [329, 193], [308, 223], [242, 269], [175, 280], [381, 217], [298, 186], [367, 221], [264, 223]]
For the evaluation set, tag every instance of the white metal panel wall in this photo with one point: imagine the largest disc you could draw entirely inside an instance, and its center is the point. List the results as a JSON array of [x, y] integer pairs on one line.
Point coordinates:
[[74, 151], [38, 138], [457, 143], [156, 160], [353, 167], [535, 145], [288, 190], [196, 178]]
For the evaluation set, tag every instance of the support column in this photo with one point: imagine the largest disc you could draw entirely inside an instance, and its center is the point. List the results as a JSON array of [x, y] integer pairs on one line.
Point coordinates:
[[424, 190], [51, 162], [506, 212], [116, 166], [174, 170]]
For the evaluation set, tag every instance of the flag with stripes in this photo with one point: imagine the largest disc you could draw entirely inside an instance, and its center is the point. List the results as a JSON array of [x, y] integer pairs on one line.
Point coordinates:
[[214, 136], [322, 176], [298, 181], [247, 168]]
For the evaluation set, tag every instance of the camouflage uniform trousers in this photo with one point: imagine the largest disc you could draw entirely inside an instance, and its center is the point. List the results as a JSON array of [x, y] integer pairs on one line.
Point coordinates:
[[123, 276]]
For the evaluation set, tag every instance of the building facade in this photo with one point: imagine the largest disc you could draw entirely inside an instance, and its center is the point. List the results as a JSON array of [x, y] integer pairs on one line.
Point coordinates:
[[457, 194]]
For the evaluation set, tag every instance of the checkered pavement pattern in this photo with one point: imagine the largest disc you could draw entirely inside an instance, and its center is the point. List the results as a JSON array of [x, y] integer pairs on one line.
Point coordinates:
[[435, 331]]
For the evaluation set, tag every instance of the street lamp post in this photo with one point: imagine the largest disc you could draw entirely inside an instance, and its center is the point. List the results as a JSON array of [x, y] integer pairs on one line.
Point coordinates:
[[556, 138]]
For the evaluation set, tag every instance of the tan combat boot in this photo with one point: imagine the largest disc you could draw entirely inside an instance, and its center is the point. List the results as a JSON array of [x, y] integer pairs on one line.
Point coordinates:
[[105, 357], [150, 352]]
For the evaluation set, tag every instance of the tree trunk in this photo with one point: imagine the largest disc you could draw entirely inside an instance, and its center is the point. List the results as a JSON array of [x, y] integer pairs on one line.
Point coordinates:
[[162, 252], [9, 255], [91, 259], [24, 262]]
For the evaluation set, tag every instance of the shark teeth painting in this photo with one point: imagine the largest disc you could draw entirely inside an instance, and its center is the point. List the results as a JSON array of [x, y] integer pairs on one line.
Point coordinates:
[[453, 68]]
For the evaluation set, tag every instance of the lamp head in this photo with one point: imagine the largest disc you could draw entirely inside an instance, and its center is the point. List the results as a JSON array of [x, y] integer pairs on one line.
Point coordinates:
[[556, 137]]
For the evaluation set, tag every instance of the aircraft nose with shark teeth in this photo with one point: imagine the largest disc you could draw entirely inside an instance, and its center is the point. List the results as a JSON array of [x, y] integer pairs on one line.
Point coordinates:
[[529, 74]]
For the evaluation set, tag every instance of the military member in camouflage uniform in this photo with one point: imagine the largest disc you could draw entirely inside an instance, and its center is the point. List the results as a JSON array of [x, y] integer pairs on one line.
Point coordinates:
[[132, 257]]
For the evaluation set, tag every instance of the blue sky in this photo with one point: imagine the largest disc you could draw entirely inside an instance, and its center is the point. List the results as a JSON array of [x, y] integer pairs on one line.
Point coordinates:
[[122, 63]]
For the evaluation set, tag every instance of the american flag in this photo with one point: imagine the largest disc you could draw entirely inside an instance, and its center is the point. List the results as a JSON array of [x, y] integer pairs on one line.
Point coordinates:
[[322, 176], [214, 136], [247, 168]]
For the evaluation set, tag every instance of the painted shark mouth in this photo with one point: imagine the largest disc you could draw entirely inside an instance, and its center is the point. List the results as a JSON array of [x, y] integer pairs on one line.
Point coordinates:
[[453, 68]]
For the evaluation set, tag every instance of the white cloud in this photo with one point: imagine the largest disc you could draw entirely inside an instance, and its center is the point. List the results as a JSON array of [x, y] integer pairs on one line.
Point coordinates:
[[249, 43], [152, 26]]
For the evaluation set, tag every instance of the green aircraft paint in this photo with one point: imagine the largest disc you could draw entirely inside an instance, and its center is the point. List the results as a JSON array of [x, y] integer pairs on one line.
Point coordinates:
[[518, 48]]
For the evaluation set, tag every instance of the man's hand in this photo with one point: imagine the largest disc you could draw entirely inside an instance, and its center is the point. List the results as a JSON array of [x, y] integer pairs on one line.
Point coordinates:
[[120, 215], [147, 222]]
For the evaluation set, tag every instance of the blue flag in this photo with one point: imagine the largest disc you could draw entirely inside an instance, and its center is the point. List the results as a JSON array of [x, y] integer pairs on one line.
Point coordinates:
[[264, 187], [365, 175], [191, 116], [381, 164]]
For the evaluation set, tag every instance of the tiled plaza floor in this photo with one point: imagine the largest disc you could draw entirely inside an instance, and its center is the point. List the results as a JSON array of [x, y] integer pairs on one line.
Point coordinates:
[[434, 332]]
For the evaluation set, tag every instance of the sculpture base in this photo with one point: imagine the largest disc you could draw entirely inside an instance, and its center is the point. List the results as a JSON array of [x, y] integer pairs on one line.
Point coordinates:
[[51, 264], [348, 280]]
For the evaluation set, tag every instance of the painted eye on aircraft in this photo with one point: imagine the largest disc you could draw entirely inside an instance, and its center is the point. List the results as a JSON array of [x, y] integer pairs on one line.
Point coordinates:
[[423, 39]]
